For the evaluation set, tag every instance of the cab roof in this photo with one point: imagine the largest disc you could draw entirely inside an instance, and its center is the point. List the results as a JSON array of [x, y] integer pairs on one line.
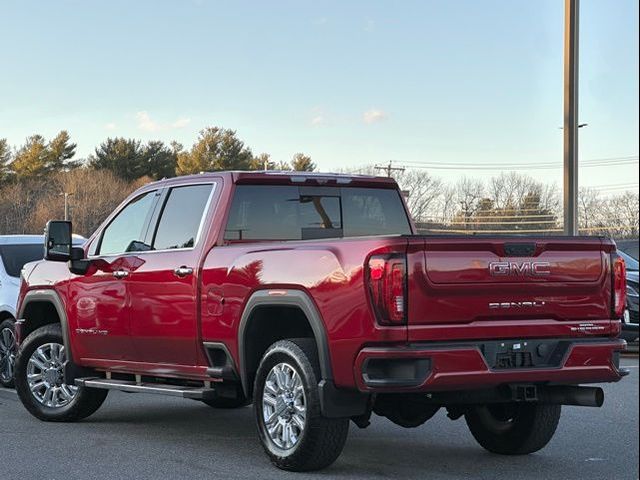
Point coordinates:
[[281, 177]]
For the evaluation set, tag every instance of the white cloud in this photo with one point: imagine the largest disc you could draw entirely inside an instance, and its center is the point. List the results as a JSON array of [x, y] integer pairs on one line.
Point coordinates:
[[110, 126], [181, 122], [146, 123], [373, 115], [318, 117]]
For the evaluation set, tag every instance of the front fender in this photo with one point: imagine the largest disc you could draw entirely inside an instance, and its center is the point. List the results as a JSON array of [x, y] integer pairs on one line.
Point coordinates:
[[29, 321]]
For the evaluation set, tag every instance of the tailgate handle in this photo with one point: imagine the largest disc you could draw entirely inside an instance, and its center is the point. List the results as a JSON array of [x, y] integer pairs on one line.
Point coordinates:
[[519, 249]]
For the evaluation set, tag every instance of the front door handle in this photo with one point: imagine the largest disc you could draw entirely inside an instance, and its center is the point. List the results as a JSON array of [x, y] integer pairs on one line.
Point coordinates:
[[183, 271], [120, 274]]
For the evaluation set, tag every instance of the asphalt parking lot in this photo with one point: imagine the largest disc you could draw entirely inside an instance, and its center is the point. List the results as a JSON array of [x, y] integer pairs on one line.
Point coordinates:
[[151, 437]]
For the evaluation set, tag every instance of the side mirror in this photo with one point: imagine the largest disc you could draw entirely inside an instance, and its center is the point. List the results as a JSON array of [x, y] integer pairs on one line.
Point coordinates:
[[57, 241]]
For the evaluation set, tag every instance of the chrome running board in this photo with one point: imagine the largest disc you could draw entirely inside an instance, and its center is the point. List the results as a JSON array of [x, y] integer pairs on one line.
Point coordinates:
[[198, 393]]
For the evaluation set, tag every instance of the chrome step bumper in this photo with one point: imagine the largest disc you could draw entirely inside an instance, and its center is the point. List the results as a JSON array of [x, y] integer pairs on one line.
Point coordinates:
[[197, 393]]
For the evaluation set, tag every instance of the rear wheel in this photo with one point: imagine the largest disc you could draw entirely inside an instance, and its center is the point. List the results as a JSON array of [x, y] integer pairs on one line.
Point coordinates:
[[7, 352], [39, 380], [513, 428], [293, 431]]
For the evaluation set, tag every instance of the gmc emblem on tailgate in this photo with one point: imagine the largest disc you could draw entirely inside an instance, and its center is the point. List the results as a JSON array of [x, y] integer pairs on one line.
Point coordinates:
[[525, 269]]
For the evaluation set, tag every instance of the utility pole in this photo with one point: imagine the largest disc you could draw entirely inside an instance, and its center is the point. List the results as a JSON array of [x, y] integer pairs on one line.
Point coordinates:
[[66, 204], [389, 168], [570, 194]]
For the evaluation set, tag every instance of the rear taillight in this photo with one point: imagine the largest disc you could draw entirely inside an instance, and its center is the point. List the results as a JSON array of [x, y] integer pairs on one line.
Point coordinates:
[[619, 286], [387, 282]]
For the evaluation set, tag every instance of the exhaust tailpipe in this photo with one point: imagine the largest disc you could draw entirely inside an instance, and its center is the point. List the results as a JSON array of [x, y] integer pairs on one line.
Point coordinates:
[[569, 395]]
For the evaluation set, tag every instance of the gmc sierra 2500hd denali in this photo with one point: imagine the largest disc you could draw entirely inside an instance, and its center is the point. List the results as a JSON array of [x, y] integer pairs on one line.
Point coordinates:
[[312, 297]]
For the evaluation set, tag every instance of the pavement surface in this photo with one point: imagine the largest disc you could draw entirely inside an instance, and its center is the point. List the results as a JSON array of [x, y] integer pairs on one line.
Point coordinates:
[[136, 436]]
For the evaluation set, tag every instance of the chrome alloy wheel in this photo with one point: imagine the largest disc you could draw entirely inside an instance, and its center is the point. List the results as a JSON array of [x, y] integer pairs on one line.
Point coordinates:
[[284, 406], [7, 354], [46, 378]]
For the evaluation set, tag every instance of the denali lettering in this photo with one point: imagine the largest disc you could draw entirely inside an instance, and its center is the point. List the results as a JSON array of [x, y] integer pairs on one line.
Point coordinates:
[[91, 331], [495, 305], [532, 269]]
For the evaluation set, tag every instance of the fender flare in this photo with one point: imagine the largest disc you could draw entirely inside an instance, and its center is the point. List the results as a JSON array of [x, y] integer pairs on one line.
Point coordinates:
[[289, 298], [8, 309], [52, 297]]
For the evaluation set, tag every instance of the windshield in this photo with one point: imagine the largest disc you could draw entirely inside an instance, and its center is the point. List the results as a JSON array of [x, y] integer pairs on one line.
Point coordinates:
[[632, 263], [14, 257]]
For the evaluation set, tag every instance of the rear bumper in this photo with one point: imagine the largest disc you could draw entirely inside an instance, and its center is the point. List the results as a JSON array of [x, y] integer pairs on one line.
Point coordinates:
[[470, 365]]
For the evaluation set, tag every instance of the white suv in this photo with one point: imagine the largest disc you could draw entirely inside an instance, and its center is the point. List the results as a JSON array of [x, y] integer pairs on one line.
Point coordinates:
[[15, 252]]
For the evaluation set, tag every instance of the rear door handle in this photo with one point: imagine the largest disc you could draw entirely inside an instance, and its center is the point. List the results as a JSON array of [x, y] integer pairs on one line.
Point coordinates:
[[120, 274], [183, 271]]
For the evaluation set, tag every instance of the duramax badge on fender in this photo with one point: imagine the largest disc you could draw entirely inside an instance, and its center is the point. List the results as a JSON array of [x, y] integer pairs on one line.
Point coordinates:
[[312, 297]]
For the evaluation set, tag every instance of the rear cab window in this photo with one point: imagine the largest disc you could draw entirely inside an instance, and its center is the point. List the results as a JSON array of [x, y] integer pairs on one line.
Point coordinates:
[[266, 212]]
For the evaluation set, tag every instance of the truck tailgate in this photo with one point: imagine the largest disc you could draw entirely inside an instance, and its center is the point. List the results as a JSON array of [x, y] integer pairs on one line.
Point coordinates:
[[475, 282]]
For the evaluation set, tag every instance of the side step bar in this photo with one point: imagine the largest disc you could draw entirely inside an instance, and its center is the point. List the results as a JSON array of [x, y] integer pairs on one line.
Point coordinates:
[[197, 393]]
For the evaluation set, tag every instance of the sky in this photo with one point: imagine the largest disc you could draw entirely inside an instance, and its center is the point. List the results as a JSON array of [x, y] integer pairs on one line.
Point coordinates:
[[462, 87]]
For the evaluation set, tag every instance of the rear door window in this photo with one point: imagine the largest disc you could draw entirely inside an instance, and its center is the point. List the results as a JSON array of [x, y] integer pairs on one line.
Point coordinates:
[[181, 217]]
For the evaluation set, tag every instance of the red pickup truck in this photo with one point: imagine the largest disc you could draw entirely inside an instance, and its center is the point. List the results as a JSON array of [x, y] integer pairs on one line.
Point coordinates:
[[312, 297]]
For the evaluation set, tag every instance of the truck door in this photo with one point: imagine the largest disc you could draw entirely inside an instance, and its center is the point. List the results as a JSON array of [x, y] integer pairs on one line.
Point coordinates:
[[98, 303], [164, 289]]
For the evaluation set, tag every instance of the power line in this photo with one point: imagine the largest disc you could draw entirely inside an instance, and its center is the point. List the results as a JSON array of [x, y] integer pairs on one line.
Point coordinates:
[[508, 167], [591, 163], [498, 164]]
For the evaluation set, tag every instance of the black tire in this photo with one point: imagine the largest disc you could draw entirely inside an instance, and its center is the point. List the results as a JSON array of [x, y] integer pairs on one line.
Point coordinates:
[[85, 402], [7, 352], [321, 441], [513, 429]]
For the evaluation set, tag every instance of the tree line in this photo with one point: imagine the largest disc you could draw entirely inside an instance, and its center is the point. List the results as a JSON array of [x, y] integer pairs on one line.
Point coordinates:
[[35, 174], [216, 148]]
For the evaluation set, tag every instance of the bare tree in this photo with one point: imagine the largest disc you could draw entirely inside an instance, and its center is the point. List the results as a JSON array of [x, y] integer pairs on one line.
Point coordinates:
[[26, 206], [422, 192], [469, 193], [590, 208], [621, 213]]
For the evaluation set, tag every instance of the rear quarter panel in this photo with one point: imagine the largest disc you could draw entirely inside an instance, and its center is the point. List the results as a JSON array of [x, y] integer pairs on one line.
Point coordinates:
[[330, 272]]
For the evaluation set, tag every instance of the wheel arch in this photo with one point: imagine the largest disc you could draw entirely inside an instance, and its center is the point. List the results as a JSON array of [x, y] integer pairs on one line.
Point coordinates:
[[305, 315], [43, 307], [6, 314]]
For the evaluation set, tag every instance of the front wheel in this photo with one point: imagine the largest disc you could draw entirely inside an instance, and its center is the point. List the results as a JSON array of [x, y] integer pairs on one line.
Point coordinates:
[[292, 430], [513, 428], [7, 352], [40, 383]]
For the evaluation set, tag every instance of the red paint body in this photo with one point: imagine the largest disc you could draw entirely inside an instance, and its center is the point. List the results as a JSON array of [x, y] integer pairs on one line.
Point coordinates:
[[157, 322]]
